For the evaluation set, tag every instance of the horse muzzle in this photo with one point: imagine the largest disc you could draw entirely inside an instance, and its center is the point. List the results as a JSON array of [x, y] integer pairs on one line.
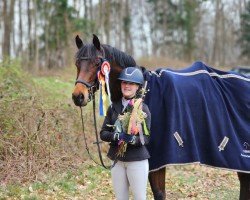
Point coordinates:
[[79, 100]]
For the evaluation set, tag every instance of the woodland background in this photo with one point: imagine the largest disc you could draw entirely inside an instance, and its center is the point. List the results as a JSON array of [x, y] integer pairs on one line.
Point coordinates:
[[42, 151], [41, 32]]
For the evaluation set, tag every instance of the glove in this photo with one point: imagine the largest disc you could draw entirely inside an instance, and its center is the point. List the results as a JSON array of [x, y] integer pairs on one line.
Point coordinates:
[[128, 138]]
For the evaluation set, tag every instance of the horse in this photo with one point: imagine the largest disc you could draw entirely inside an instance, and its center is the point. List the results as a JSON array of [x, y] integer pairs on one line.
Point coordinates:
[[89, 59]]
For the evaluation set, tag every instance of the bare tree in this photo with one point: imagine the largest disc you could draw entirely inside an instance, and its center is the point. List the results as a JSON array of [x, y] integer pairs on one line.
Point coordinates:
[[37, 53], [20, 46], [29, 14], [106, 22], [126, 29], [216, 52], [85, 9], [8, 15]]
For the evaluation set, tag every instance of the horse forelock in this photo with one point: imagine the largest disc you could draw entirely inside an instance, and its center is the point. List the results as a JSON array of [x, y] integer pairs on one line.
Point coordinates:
[[87, 50]]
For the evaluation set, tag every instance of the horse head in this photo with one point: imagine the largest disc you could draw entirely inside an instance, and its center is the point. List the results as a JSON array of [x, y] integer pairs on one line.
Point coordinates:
[[89, 59]]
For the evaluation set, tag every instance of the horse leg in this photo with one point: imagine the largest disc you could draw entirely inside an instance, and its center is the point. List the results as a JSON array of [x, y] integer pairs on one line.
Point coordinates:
[[157, 183], [244, 185]]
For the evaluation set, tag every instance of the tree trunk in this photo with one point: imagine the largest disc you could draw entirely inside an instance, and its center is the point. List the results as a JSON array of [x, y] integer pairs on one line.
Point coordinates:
[[46, 36], [29, 30], [223, 37], [107, 11], [20, 47], [85, 9], [126, 25], [99, 19], [215, 55], [36, 56], [143, 36], [118, 17], [126, 28], [68, 55], [91, 10], [8, 14], [154, 27]]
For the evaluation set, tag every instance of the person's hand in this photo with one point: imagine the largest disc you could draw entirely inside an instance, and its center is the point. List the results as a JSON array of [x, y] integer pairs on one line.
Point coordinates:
[[128, 138]]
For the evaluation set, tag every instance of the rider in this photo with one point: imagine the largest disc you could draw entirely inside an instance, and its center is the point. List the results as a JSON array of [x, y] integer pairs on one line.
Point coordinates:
[[131, 168]]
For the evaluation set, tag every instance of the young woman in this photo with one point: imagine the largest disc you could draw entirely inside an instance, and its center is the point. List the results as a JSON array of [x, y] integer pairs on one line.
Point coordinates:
[[127, 149]]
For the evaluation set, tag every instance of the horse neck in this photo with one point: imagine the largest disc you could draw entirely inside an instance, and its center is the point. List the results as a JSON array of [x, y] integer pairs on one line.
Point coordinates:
[[118, 60], [115, 88]]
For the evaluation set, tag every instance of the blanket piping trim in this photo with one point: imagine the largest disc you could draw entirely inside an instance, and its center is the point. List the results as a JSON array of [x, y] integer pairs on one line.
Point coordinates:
[[213, 74], [180, 164]]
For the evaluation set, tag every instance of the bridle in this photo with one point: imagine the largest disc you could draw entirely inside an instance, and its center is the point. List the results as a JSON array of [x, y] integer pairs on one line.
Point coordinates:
[[92, 87]]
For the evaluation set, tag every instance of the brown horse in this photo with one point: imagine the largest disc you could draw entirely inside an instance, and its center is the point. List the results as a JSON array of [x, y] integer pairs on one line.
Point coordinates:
[[88, 61]]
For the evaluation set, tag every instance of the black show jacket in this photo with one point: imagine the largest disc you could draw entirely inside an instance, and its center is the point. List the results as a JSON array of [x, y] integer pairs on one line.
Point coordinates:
[[134, 152]]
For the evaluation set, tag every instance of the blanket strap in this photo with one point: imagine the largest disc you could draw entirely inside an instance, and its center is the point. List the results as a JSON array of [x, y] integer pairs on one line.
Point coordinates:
[[223, 143], [179, 139]]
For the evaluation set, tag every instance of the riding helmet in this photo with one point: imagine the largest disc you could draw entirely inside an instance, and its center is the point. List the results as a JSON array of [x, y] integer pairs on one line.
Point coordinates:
[[132, 74]]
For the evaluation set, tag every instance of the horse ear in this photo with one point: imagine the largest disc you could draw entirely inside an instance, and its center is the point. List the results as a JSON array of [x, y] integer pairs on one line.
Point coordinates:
[[79, 42], [96, 42]]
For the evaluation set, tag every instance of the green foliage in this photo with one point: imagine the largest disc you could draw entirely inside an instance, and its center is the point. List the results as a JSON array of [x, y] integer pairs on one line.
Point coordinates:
[[83, 26], [39, 130], [245, 32], [56, 89], [13, 86], [92, 182], [56, 15], [58, 22], [189, 20]]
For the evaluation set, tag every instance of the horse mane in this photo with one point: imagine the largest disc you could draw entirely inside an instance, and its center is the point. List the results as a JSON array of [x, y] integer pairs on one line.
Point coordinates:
[[122, 59], [111, 54]]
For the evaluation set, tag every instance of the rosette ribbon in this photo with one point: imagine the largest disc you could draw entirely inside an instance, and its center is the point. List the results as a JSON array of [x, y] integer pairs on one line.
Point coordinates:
[[105, 99]]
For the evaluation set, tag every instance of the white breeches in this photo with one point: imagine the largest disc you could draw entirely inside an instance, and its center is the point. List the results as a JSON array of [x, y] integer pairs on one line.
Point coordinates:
[[130, 174]]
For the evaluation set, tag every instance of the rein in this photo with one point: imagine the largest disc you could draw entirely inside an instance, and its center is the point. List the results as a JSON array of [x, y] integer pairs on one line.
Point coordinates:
[[97, 138], [92, 96]]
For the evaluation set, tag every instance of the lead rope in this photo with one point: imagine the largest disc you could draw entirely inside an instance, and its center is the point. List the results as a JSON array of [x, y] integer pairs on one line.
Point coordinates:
[[97, 138]]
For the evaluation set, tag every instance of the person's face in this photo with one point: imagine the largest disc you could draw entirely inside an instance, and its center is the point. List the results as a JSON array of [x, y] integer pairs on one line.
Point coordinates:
[[129, 89]]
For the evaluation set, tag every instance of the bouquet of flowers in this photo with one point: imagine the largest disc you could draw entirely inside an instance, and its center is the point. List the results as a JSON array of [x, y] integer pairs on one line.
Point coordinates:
[[131, 122]]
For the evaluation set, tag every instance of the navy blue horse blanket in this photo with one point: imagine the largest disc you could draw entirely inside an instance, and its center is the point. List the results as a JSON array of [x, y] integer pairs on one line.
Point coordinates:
[[199, 114]]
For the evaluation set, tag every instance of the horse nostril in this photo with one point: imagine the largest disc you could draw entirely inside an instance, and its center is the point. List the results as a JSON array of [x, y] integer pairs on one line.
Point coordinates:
[[78, 100], [81, 97]]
